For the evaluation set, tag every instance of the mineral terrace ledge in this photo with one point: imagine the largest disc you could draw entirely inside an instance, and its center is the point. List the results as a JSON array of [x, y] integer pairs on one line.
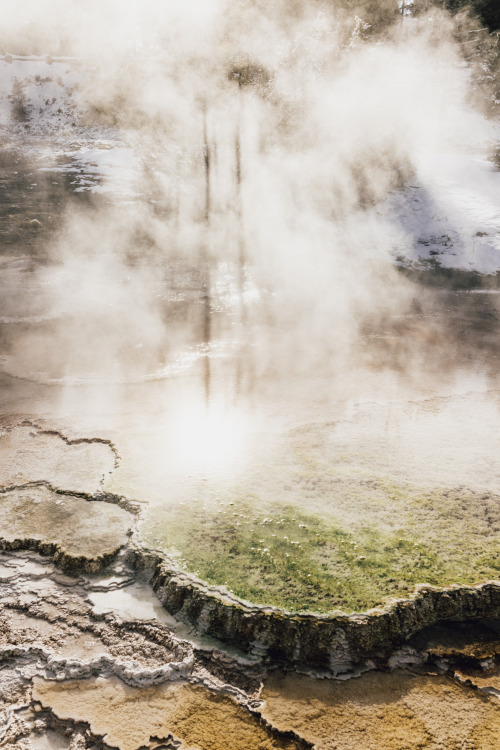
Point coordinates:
[[336, 643], [81, 535]]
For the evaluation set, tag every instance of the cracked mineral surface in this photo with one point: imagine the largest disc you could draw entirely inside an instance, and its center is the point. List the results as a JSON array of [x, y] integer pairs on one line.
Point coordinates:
[[77, 530], [76, 675], [137, 671], [31, 454]]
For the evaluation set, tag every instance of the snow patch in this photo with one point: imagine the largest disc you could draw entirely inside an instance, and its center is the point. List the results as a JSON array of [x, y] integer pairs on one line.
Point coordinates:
[[449, 212]]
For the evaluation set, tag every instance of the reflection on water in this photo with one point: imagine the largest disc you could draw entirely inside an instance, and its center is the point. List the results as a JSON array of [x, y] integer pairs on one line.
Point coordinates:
[[224, 397], [207, 439], [415, 396], [236, 288]]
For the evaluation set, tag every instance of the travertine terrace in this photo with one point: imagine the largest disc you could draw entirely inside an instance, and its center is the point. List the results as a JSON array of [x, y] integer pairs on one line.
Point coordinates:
[[249, 375]]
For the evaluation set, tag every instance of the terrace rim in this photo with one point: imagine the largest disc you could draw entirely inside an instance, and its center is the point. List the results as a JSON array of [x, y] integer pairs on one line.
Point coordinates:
[[335, 643]]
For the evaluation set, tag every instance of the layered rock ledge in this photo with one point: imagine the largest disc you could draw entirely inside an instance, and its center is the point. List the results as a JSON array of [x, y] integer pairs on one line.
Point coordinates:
[[81, 534], [335, 643]]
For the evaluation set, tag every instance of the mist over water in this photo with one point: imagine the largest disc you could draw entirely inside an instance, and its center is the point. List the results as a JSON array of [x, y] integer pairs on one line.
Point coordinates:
[[208, 254]]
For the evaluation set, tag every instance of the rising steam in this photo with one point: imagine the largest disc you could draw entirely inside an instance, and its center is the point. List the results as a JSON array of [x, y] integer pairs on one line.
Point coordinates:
[[263, 141]]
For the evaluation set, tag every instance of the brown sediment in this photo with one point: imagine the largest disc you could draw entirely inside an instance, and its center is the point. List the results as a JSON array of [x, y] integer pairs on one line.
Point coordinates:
[[127, 718], [383, 711], [80, 535]]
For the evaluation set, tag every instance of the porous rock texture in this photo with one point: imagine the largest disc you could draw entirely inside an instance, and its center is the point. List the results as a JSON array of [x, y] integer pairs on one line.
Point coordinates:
[[331, 642]]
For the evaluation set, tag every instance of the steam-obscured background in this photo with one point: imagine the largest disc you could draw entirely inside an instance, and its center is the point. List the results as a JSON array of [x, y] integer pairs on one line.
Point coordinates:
[[270, 206]]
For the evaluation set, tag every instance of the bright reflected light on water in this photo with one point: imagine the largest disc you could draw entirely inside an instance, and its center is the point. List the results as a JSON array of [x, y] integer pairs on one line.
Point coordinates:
[[210, 439]]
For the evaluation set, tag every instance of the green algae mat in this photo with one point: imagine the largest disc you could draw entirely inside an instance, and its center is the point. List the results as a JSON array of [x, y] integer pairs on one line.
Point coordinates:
[[347, 514], [276, 554]]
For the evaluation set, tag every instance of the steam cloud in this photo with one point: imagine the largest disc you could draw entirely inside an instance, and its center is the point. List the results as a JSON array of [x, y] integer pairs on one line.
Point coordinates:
[[266, 138]]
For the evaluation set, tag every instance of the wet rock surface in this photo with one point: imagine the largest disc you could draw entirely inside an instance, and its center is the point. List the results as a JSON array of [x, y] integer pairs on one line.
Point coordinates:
[[76, 676], [91, 619], [104, 643], [54, 644], [334, 642]]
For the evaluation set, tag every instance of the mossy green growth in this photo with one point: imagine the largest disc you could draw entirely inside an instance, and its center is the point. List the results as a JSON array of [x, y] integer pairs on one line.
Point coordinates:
[[303, 562]]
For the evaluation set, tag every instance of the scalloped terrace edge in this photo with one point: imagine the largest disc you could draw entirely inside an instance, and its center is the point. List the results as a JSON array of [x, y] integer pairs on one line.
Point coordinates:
[[67, 561], [335, 642]]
